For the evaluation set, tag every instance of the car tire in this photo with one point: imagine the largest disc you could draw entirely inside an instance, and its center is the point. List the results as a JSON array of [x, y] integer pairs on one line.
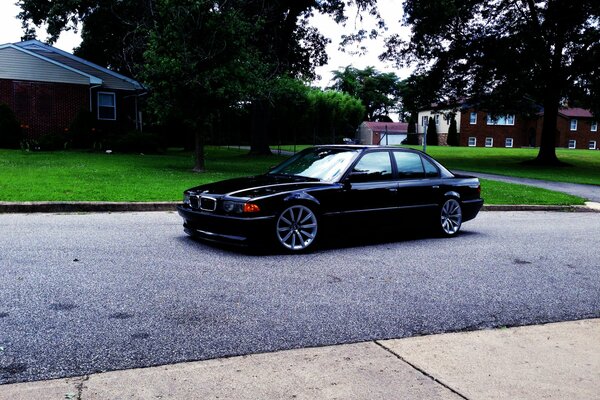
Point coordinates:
[[450, 217], [296, 228]]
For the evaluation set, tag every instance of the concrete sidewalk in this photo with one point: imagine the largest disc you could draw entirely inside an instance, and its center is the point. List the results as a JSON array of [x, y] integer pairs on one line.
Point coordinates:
[[553, 361]]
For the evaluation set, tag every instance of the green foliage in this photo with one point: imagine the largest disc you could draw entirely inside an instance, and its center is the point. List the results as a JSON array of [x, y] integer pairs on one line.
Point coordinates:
[[503, 54], [82, 131], [432, 136], [136, 142], [198, 63], [334, 114], [203, 60], [10, 129], [453, 136], [379, 92], [412, 137]]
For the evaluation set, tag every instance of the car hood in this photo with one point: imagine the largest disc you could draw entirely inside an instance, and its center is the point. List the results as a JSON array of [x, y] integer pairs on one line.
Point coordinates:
[[257, 186]]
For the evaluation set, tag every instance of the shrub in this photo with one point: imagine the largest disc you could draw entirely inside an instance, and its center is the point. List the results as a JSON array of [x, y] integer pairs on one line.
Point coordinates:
[[136, 142], [11, 133], [82, 132], [432, 137], [453, 138]]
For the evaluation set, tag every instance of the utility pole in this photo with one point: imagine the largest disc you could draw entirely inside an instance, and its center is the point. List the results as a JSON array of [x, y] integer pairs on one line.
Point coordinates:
[[425, 135]]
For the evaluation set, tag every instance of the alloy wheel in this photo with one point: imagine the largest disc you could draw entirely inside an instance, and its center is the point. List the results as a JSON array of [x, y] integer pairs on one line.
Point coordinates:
[[451, 217], [296, 228]]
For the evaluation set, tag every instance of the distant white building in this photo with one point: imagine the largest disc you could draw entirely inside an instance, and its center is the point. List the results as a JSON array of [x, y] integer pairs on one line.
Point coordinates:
[[442, 119], [382, 133]]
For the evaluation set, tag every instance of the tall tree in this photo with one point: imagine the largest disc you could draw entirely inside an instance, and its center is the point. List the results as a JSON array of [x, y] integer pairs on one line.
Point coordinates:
[[502, 52], [117, 33], [378, 91], [198, 63], [114, 33]]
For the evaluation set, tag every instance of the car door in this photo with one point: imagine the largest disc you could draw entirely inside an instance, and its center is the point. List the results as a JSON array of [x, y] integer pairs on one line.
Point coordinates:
[[371, 189], [416, 190]]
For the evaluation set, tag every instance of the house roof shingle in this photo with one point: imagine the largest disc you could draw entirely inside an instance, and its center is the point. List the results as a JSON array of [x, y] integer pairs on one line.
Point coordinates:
[[109, 79], [575, 112], [389, 127]]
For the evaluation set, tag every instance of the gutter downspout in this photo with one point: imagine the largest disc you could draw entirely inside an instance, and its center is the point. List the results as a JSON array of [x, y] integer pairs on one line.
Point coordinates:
[[92, 87]]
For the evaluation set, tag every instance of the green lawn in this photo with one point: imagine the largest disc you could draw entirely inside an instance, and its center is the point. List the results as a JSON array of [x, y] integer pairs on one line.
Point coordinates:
[[84, 176], [494, 192]]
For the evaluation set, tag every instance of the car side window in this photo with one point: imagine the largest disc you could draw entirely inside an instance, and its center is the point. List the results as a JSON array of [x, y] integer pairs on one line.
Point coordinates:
[[431, 170], [409, 165], [374, 166]]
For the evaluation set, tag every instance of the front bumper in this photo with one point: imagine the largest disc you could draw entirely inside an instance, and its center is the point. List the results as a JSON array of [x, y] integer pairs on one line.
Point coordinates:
[[224, 228]]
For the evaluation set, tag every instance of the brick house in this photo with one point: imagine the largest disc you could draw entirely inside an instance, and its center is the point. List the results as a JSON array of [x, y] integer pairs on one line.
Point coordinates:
[[383, 133], [46, 88], [576, 127]]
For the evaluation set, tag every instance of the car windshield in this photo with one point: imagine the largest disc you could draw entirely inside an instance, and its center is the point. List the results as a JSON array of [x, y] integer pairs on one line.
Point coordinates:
[[323, 164]]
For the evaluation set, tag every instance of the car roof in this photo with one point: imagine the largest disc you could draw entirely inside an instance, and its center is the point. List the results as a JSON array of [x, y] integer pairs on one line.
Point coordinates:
[[364, 147]]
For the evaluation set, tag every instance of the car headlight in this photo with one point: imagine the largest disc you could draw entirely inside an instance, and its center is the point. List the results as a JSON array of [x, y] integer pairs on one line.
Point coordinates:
[[233, 207], [186, 199]]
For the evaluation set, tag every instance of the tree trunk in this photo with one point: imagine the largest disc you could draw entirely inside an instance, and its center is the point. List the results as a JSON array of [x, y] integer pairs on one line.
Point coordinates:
[[547, 153], [259, 135], [554, 82]]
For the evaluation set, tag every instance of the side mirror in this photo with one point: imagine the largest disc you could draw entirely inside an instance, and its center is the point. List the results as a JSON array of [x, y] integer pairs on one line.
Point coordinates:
[[357, 176]]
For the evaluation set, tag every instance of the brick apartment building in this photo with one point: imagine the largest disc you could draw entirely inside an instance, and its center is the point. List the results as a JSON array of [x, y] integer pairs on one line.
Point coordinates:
[[576, 128]]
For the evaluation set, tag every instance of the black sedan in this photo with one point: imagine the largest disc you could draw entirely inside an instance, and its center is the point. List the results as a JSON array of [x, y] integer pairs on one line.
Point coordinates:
[[326, 187]]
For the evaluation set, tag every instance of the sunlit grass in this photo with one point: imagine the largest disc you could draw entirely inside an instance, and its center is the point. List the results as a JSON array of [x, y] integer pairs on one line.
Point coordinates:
[[85, 176]]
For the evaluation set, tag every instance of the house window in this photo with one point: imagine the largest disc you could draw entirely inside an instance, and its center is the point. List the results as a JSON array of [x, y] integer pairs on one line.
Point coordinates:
[[508, 142], [107, 106], [572, 144], [437, 119], [594, 127], [573, 124], [424, 120], [489, 142], [473, 118], [501, 120], [592, 145], [472, 141]]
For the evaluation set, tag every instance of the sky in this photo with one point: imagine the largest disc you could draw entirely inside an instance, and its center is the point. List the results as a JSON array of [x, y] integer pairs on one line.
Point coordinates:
[[391, 10]]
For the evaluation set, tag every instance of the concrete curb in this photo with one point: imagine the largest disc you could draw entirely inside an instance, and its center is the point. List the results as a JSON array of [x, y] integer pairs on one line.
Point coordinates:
[[499, 207], [84, 206], [104, 206]]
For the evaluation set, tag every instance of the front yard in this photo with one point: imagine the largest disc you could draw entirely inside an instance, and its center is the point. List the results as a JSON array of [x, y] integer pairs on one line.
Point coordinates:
[[85, 176]]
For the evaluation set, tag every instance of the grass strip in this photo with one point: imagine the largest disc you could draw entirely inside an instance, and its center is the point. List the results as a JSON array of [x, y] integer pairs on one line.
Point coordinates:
[[86, 176]]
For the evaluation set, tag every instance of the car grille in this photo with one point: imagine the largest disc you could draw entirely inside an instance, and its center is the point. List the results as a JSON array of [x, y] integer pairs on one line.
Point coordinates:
[[203, 203], [208, 204]]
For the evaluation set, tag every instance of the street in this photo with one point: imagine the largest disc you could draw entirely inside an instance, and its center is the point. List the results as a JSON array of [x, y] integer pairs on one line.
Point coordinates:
[[83, 293]]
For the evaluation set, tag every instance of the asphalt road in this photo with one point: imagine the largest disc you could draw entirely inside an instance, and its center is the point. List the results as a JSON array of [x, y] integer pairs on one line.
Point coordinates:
[[84, 293]]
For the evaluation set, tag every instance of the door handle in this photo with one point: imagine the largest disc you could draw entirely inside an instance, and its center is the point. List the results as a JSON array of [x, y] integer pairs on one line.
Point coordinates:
[[435, 187], [393, 189]]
